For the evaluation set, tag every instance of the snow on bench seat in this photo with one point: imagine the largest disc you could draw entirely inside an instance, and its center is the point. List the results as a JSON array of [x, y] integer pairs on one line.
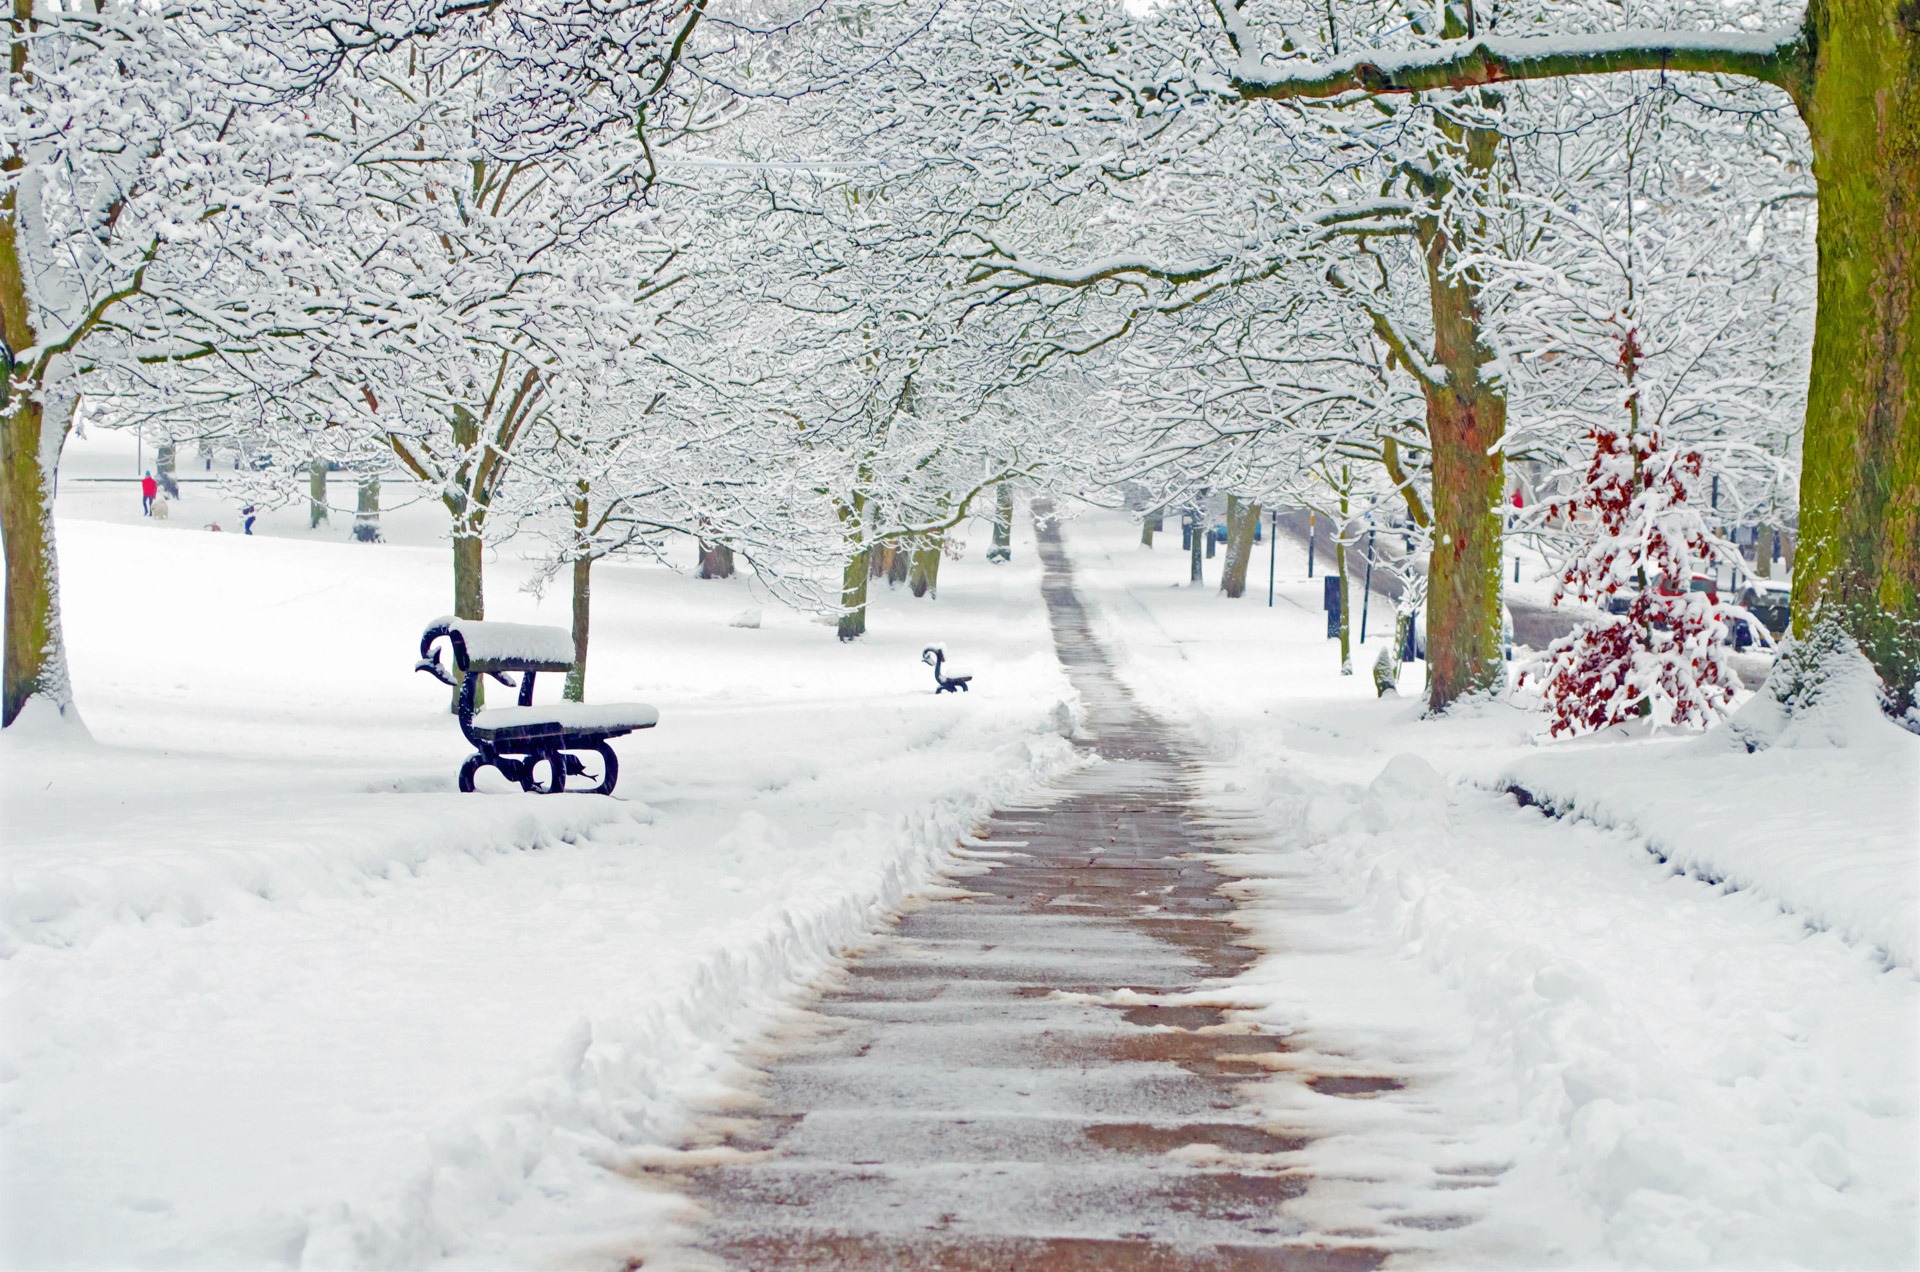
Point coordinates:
[[488, 642], [572, 717]]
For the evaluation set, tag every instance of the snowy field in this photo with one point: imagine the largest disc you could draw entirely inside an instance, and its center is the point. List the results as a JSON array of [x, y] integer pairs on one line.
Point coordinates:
[[1679, 1024], [275, 994]]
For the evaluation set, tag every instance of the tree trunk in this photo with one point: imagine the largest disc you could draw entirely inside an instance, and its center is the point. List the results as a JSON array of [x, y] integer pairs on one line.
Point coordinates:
[[33, 431], [366, 515], [925, 576], [1148, 524], [317, 494], [36, 654], [1763, 552], [853, 597], [716, 561], [1196, 568], [1242, 518], [897, 565], [1466, 426], [879, 560], [576, 686], [1858, 559], [1346, 596], [1002, 549], [469, 598], [853, 578], [166, 460]]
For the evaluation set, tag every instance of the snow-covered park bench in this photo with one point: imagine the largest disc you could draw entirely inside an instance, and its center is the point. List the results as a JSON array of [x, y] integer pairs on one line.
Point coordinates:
[[539, 747]]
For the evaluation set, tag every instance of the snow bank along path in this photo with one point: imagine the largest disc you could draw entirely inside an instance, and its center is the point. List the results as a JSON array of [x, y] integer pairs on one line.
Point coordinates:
[[1044, 1067], [273, 994], [1675, 1072]]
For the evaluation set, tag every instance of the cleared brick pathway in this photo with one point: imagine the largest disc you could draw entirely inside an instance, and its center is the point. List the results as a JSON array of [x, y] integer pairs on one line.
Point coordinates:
[[1010, 1080]]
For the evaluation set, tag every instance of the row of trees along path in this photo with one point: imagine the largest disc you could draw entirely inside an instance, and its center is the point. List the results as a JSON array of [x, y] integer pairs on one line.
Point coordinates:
[[1852, 68]]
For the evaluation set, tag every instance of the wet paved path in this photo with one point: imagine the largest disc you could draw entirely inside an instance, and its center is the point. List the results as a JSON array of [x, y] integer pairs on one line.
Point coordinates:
[[1010, 1079]]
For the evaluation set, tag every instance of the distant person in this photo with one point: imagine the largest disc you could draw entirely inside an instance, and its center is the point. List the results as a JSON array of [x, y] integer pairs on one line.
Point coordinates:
[[148, 489], [247, 517]]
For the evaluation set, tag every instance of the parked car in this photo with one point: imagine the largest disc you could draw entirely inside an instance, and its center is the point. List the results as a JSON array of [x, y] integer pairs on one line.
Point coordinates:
[[1771, 601], [1745, 626]]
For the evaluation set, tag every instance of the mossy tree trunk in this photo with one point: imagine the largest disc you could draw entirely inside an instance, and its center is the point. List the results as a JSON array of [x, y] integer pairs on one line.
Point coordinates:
[[35, 656], [1466, 428], [1242, 520], [1858, 559], [33, 432], [1147, 524]]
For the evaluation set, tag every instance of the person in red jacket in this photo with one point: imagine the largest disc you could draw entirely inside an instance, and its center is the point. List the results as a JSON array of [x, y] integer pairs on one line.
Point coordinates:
[[148, 489]]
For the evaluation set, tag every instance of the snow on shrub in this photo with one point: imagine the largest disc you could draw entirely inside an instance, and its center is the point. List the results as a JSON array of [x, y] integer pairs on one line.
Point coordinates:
[[1665, 657]]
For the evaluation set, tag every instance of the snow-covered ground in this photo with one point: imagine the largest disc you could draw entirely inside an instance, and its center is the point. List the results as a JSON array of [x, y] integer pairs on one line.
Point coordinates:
[[1712, 1059], [272, 993]]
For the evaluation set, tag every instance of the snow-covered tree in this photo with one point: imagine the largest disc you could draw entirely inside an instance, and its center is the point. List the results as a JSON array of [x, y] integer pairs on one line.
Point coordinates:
[[1664, 658]]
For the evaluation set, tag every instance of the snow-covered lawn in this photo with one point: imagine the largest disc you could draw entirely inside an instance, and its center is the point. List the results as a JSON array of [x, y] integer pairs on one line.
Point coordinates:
[[274, 993], [1658, 1069]]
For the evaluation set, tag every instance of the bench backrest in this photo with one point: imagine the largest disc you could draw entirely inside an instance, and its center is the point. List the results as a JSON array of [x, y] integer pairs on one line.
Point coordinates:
[[481, 647]]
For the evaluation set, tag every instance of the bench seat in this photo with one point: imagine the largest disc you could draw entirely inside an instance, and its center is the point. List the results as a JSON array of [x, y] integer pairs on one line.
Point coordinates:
[[501, 724]]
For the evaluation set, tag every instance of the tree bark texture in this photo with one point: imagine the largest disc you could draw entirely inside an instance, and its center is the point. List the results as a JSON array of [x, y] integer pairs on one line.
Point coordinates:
[[1196, 566], [1002, 549], [924, 578], [576, 686], [1858, 560], [35, 656], [853, 579], [316, 494], [716, 561], [366, 513], [1466, 427], [34, 662], [853, 597], [1147, 525], [1346, 593], [1242, 519]]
